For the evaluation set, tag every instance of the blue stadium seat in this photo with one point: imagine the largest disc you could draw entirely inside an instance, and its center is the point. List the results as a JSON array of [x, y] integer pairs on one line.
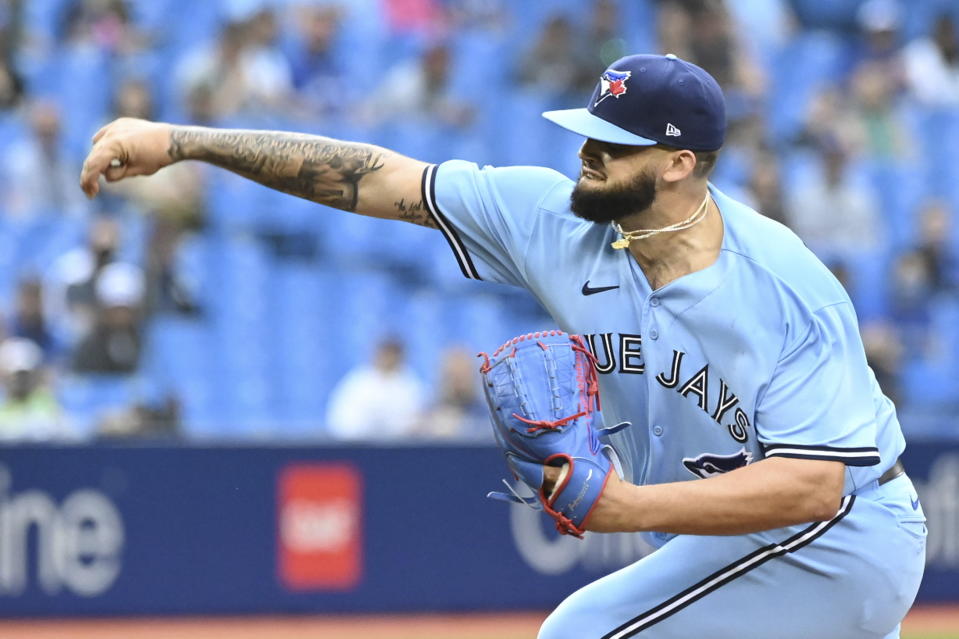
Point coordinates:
[[422, 312], [82, 111], [234, 203], [43, 17], [366, 302], [529, 139], [944, 320], [868, 288], [928, 383], [806, 64], [12, 129], [899, 192], [476, 321], [481, 66], [238, 271]]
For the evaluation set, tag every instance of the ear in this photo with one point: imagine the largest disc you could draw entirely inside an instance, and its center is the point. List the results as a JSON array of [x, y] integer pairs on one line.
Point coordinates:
[[680, 165]]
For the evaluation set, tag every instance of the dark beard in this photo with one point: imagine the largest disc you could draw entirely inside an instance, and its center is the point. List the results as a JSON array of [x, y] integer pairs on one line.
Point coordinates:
[[606, 205]]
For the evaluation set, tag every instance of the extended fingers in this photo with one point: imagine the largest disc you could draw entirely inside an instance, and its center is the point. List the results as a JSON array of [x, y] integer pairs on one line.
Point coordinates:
[[94, 166]]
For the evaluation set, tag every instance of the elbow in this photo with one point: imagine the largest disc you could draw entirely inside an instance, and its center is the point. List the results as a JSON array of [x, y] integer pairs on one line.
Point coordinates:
[[825, 494], [824, 505]]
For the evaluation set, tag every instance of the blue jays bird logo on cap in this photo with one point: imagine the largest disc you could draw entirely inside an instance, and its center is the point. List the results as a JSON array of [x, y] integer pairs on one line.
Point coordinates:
[[612, 83]]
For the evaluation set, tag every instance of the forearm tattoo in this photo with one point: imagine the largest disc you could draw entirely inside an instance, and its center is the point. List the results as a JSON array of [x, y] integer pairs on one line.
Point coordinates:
[[414, 212], [316, 168]]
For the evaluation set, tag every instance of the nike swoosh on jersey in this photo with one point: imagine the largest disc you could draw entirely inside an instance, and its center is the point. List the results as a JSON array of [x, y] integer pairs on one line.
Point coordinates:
[[599, 289], [915, 502]]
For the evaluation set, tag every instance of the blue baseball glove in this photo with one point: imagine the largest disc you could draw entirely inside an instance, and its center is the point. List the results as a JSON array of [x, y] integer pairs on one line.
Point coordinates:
[[543, 396]]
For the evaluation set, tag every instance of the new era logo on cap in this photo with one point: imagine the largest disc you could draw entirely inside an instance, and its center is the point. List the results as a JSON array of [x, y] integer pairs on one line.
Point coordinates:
[[672, 131]]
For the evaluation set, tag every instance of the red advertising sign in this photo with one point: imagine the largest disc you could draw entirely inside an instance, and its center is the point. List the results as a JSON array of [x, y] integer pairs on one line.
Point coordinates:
[[320, 526]]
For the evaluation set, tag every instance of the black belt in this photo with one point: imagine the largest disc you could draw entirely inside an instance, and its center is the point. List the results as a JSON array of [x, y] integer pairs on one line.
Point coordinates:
[[896, 470]]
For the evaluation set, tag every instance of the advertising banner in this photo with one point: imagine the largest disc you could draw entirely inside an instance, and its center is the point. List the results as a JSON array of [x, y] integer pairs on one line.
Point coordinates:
[[187, 530]]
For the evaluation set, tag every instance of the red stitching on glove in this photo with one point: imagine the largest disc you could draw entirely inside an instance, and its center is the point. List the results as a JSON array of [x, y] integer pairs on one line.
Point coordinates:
[[588, 379], [522, 338], [485, 367], [564, 525], [542, 424]]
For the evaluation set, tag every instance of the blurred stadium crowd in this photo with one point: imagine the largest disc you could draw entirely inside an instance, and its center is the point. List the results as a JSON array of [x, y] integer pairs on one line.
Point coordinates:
[[197, 304]]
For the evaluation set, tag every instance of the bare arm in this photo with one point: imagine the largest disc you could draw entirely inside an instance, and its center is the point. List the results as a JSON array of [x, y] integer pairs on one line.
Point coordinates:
[[351, 176], [771, 493]]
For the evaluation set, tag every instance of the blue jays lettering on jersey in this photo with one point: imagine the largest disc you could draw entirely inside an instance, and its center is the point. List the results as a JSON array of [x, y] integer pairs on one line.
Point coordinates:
[[755, 356]]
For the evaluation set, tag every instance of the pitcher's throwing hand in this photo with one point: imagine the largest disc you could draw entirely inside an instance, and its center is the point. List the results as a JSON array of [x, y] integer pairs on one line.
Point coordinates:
[[125, 148]]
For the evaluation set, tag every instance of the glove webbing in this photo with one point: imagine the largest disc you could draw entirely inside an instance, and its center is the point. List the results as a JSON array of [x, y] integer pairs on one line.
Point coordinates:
[[588, 380]]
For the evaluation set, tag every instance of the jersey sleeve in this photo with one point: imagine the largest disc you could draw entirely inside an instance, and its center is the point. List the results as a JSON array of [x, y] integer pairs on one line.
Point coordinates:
[[488, 215], [819, 402]]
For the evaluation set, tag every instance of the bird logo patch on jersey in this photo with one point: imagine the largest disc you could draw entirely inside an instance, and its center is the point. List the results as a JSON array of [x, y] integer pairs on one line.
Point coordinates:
[[612, 83], [709, 465]]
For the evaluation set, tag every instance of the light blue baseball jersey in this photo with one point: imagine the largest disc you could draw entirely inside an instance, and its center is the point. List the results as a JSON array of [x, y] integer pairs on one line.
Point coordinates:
[[757, 355]]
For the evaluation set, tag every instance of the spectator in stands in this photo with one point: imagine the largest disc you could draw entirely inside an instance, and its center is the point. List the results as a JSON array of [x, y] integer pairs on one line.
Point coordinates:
[[841, 272], [412, 16], [29, 410], [133, 99], [932, 65], [11, 29], [38, 178], [765, 191], [713, 42], [879, 23], [673, 29], [911, 301], [828, 121], [71, 283], [703, 32], [557, 63], [200, 105], [834, 213], [459, 410], [884, 353], [880, 126], [605, 33], [219, 71], [936, 249], [142, 420], [114, 343], [106, 24], [491, 17], [269, 79], [29, 319], [167, 291], [378, 402], [317, 71], [11, 86], [420, 91]]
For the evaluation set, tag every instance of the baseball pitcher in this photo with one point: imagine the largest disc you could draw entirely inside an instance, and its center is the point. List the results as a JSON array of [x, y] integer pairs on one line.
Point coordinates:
[[742, 431]]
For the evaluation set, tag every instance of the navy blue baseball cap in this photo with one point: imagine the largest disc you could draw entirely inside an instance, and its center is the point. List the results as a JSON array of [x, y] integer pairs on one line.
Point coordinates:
[[652, 99]]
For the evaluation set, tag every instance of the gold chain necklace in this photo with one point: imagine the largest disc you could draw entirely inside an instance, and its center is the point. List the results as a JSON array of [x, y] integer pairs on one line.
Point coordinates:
[[641, 234]]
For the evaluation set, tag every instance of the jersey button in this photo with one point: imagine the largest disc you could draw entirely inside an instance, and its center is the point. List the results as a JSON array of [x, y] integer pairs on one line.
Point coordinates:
[[654, 334], [657, 430], [654, 301]]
